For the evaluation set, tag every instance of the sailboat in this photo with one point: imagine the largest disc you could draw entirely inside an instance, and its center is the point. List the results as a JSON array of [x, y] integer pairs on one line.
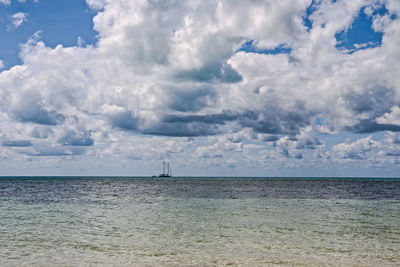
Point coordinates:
[[168, 174]]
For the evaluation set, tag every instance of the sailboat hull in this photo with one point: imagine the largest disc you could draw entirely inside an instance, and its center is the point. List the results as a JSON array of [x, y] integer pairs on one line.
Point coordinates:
[[168, 174]]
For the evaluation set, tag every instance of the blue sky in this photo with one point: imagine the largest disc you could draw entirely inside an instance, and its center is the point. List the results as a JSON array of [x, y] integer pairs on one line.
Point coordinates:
[[60, 22], [245, 88]]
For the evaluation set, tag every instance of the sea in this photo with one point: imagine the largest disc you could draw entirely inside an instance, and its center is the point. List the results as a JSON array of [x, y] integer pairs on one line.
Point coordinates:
[[199, 221]]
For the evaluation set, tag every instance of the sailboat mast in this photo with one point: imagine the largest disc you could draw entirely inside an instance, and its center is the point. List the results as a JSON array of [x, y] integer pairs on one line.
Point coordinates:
[[168, 168], [163, 166]]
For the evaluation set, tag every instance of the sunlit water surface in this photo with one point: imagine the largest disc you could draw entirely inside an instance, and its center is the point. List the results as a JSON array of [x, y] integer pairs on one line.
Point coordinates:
[[207, 222]]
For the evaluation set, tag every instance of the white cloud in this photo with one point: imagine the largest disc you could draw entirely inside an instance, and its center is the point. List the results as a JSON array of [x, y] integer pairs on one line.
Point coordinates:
[[8, 2], [171, 68], [354, 150], [5, 2], [96, 4], [392, 117], [16, 20], [80, 42]]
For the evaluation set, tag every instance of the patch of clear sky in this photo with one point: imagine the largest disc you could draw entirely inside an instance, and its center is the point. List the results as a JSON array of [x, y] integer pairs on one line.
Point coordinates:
[[360, 35], [60, 22]]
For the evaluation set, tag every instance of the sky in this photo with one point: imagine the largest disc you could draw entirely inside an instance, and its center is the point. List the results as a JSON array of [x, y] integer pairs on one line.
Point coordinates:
[[215, 87]]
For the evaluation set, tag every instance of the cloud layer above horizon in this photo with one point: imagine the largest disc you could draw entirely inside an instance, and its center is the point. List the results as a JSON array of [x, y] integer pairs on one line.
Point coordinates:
[[226, 85]]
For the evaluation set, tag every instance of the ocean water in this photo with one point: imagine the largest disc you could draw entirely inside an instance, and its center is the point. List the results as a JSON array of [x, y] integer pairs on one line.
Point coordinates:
[[199, 222]]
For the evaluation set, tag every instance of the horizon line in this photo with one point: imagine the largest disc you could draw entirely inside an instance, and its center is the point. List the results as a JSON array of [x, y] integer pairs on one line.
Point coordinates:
[[186, 176]]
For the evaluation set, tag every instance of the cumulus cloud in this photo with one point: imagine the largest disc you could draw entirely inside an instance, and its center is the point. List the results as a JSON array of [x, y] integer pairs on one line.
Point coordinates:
[[293, 146], [392, 117], [355, 150], [179, 69], [76, 139]]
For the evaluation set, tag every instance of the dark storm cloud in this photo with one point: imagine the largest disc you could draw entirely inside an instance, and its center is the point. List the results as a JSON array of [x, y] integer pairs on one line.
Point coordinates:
[[375, 101], [191, 125], [299, 156], [194, 100], [207, 156], [39, 116], [276, 120], [76, 139], [17, 143], [177, 129], [396, 139], [270, 138], [370, 126], [212, 72], [206, 119], [31, 110], [174, 125], [134, 157], [272, 121], [393, 153], [124, 121], [354, 155]]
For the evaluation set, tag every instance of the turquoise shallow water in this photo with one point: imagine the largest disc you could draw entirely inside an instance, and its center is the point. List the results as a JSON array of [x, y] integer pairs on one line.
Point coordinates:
[[207, 222]]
